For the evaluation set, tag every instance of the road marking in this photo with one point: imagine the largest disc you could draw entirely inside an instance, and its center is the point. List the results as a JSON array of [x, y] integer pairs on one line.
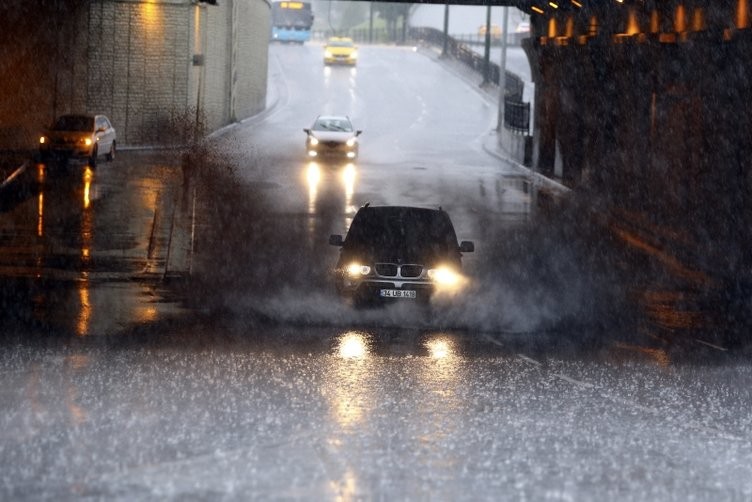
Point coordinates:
[[496, 342], [717, 347], [573, 381], [488, 338], [530, 360]]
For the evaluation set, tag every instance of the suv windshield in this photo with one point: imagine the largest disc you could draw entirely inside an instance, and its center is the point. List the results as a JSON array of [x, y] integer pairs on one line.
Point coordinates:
[[407, 232], [74, 123]]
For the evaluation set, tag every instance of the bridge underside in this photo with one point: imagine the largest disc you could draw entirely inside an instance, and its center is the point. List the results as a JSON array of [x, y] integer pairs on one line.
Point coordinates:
[[647, 103]]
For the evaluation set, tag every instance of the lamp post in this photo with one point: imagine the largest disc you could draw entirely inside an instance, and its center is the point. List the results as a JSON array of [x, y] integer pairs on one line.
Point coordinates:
[[446, 29], [503, 71], [370, 23], [487, 52]]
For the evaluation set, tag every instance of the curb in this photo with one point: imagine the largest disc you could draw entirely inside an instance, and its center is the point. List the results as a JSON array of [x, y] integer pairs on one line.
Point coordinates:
[[490, 142], [15, 174], [490, 146]]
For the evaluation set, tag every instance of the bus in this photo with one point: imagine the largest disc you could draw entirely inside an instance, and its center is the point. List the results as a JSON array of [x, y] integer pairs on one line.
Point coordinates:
[[291, 21]]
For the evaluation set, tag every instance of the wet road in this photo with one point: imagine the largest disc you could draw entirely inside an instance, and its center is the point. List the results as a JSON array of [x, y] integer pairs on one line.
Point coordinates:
[[551, 378]]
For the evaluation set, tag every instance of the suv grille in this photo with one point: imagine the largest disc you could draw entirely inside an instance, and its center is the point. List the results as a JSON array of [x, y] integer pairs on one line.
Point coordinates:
[[386, 269], [410, 270], [392, 270]]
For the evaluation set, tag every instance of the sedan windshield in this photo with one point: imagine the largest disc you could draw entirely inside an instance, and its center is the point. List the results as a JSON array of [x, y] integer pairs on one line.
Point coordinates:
[[74, 123], [333, 124], [340, 43]]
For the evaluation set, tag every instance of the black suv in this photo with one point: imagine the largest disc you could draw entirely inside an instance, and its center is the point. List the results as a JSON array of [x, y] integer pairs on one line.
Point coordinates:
[[398, 253]]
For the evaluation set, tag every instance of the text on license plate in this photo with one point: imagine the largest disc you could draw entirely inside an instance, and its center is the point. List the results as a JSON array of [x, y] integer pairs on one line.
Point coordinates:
[[398, 293]]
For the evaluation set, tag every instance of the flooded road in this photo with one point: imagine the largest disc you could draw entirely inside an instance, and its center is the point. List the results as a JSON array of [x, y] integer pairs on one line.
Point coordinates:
[[169, 340]]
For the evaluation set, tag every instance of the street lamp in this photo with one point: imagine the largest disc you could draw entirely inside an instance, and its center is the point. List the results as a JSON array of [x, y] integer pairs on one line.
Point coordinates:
[[503, 71]]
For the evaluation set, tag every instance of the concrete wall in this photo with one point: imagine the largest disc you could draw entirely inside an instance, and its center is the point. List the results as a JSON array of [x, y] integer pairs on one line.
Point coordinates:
[[138, 66], [148, 65]]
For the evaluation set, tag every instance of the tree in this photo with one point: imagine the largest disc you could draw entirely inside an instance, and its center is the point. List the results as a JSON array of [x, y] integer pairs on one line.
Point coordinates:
[[391, 13]]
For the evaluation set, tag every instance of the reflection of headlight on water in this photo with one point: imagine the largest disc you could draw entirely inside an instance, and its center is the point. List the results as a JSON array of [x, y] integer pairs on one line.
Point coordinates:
[[348, 176], [353, 345], [313, 175], [439, 348]]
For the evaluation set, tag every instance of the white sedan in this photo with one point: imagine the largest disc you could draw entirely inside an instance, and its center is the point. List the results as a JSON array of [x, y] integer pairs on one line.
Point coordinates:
[[332, 136]]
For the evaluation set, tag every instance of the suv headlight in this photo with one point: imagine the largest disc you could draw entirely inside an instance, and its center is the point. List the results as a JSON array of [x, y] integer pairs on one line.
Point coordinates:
[[444, 276], [327, 54], [357, 270], [313, 141], [351, 142], [42, 140]]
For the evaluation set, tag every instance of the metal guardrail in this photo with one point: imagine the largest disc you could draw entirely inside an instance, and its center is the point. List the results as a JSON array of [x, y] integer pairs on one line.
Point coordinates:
[[517, 116]]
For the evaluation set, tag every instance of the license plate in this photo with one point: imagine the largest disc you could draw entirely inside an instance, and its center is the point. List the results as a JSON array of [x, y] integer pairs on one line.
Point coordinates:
[[398, 293]]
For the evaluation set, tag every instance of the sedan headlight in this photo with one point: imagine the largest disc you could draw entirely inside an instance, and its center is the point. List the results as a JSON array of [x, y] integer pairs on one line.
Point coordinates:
[[357, 270], [354, 55], [86, 141], [327, 54], [42, 140]]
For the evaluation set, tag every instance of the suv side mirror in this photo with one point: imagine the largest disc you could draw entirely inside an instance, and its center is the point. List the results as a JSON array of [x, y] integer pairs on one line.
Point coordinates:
[[467, 247], [307, 131], [336, 240], [358, 132]]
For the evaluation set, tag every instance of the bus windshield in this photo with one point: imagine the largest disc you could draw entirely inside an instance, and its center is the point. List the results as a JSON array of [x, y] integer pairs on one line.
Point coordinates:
[[292, 14]]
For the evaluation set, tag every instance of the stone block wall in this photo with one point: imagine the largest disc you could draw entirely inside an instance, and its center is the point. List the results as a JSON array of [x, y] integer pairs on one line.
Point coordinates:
[[133, 60], [156, 67]]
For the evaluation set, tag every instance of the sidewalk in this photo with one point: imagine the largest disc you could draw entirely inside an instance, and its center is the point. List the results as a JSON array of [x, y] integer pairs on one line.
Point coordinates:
[[491, 142]]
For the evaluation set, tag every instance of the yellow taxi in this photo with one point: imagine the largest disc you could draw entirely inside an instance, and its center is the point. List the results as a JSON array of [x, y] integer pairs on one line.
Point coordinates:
[[340, 50]]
